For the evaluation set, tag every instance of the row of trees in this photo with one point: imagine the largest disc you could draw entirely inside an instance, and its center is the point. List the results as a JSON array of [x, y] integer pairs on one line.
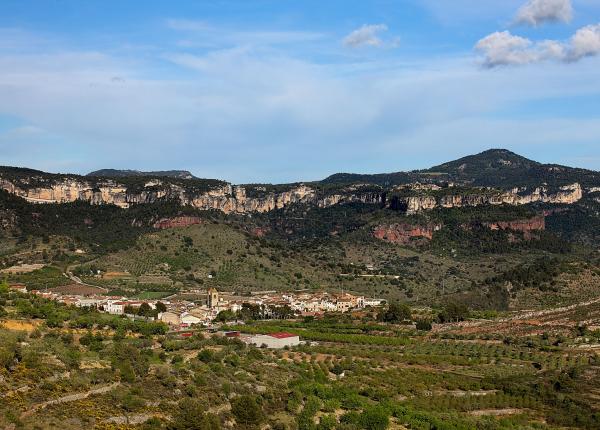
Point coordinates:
[[256, 312], [401, 313]]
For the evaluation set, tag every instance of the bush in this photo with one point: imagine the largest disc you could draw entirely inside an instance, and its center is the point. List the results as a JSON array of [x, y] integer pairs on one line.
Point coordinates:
[[247, 411], [375, 418], [191, 416], [423, 325]]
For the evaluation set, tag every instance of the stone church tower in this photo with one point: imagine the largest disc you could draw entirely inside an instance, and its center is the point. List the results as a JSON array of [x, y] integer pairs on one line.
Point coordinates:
[[212, 298]]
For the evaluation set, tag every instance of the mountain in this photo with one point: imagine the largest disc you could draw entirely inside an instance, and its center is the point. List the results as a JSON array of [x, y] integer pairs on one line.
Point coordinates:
[[423, 233], [113, 173], [493, 177], [499, 168]]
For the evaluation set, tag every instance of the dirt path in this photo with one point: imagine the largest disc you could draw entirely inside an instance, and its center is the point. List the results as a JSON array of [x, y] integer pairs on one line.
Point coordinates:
[[70, 398]]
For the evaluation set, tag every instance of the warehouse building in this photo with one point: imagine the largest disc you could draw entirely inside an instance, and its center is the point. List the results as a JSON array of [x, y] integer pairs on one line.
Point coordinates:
[[275, 340]]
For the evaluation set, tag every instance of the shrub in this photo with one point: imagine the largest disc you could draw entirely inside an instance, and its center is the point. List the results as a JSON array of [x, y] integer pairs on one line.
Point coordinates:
[[247, 411]]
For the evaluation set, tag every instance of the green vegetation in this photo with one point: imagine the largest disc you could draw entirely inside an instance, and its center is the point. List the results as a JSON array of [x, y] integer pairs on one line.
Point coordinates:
[[354, 372]]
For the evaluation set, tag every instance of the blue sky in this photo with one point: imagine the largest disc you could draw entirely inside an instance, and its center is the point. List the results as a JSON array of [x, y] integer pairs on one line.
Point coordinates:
[[282, 90]]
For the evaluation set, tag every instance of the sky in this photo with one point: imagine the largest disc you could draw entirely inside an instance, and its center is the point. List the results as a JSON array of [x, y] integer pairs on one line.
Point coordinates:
[[279, 91]]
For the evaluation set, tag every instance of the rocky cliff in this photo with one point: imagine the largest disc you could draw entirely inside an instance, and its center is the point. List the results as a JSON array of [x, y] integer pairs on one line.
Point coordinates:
[[565, 195], [527, 226], [403, 233], [222, 196], [180, 221], [225, 197]]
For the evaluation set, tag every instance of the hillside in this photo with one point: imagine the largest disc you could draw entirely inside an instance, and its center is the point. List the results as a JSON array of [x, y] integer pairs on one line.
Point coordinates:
[[499, 168], [493, 177], [423, 242]]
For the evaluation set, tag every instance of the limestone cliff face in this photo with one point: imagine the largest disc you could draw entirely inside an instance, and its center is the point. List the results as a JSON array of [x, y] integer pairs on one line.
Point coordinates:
[[334, 199], [235, 199], [565, 195], [225, 198], [70, 191]]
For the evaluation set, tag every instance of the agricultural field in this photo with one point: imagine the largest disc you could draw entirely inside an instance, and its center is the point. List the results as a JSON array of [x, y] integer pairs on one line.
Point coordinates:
[[72, 369]]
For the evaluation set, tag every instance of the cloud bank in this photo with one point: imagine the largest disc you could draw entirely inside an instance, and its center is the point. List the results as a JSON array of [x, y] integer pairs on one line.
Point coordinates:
[[537, 12], [504, 48]]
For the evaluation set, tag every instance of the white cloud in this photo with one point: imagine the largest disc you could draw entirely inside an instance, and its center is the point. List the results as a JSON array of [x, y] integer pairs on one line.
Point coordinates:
[[251, 114], [585, 42], [367, 35], [536, 12], [504, 48]]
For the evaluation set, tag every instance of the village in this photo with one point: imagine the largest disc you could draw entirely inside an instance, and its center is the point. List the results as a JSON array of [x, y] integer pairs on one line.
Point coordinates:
[[184, 315]]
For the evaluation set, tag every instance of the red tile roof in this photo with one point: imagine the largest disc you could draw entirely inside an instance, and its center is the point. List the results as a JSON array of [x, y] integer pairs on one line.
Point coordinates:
[[282, 335]]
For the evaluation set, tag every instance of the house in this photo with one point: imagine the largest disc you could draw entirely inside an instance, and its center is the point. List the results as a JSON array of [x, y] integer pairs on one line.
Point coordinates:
[[344, 305], [275, 340], [116, 307], [18, 288], [88, 303], [372, 302]]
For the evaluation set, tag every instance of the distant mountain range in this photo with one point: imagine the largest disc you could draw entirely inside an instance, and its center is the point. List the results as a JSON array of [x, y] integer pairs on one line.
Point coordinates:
[[114, 173], [499, 168], [494, 177]]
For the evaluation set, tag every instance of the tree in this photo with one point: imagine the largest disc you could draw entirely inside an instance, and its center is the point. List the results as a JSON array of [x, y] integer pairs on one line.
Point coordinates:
[[247, 411], [191, 416], [454, 312], [423, 325], [145, 310], [226, 315], [161, 307], [206, 356], [4, 288], [396, 313]]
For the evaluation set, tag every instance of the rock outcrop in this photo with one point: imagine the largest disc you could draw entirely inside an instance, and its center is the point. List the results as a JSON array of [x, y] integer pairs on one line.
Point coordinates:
[[176, 222], [404, 233], [565, 195], [237, 199], [528, 226]]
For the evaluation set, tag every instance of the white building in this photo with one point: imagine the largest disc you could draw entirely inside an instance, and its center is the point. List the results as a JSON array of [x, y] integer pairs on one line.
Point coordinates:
[[275, 340], [189, 319], [115, 307], [89, 303], [372, 302]]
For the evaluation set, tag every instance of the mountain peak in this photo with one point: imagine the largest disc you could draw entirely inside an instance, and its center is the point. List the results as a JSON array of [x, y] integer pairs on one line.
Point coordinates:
[[488, 162]]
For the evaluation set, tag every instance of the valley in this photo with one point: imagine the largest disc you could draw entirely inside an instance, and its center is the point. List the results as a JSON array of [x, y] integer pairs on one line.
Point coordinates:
[[465, 296]]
